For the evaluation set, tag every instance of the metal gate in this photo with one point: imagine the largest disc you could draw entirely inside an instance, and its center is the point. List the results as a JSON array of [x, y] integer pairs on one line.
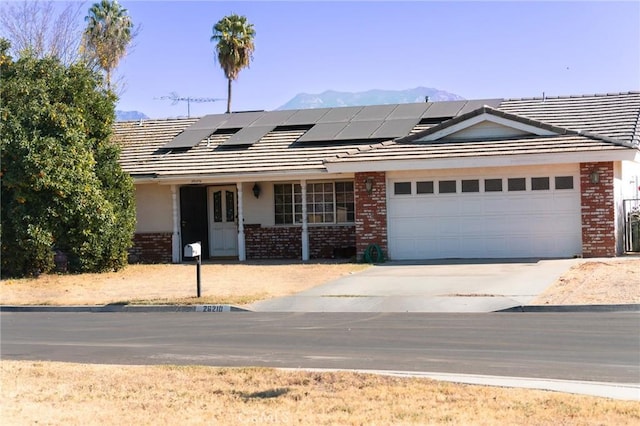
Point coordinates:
[[632, 225]]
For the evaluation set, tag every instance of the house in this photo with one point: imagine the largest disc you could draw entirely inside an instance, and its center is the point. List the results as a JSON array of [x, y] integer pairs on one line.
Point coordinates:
[[491, 178]]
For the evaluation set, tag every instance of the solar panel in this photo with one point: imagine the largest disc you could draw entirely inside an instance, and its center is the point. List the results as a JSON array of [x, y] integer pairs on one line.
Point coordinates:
[[444, 109], [392, 129], [479, 103], [211, 121], [322, 132], [237, 120], [273, 118], [358, 130], [188, 138], [374, 112], [248, 135], [403, 111], [342, 114], [306, 116]]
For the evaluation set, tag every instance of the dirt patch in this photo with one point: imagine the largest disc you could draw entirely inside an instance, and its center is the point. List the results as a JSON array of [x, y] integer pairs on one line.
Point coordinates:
[[80, 394], [614, 281]]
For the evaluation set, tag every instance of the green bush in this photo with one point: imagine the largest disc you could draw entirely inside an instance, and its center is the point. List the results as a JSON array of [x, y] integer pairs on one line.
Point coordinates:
[[62, 186]]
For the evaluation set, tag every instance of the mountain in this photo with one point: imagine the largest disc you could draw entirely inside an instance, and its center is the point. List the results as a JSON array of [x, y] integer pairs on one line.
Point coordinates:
[[331, 98], [130, 115]]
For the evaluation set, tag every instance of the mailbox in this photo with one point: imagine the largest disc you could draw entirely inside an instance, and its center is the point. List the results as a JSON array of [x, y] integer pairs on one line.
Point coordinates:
[[192, 250]]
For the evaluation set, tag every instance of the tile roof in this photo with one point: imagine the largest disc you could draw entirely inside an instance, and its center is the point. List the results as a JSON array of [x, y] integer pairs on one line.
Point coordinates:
[[615, 115], [610, 121], [142, 153], [480, 111]]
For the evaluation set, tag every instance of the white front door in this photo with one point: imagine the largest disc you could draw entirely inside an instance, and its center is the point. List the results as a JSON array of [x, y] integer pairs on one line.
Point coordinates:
[[223, 230]]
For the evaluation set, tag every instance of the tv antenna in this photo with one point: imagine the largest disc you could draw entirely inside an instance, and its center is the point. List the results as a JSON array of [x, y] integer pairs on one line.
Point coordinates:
[[173, 96]]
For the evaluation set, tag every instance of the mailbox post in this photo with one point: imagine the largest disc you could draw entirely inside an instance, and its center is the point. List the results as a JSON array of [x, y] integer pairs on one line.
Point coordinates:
[[194, 250]]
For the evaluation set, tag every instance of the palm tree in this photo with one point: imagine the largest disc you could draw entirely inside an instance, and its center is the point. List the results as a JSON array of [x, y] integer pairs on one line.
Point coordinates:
[[107, 35], [234, 37]]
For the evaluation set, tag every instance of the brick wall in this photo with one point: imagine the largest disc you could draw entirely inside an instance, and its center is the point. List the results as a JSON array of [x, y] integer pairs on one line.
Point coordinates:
[[151, 248], [598, 211], [285, 242], [278, 242], [325, 242], [371, 212], [329, 242]]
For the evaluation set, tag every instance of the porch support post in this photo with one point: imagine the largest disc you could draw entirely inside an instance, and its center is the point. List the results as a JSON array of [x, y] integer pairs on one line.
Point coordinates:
[[175, 237], [305, 224], [242, 254]]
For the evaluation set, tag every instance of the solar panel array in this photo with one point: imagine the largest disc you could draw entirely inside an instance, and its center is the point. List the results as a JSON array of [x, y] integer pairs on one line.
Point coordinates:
[[248, 135], [188, 138], [359, 130], [325, 124]]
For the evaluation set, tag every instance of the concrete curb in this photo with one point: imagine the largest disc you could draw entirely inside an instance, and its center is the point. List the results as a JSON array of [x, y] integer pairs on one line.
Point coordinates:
[[231, 308], [126, 308], [574, 308], [620, 391]]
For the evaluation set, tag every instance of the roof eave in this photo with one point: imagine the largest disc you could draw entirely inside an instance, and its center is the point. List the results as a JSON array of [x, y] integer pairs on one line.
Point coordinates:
[[232, 178], [351, 166]]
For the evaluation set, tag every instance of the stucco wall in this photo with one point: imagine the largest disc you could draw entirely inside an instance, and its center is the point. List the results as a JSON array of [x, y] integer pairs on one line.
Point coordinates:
[[629, 179], [626, 187], [153, 208], [258, 210]]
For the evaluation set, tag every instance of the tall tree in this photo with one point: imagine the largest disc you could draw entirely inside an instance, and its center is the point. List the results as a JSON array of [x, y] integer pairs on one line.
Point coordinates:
[[234, 37], [42, 28], [108, 34], [62, 186]]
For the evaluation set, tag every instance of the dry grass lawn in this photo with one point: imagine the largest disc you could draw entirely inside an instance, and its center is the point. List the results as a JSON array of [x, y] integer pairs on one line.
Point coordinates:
[[610, 281], [75, 394], [233, 283], [594, 282]]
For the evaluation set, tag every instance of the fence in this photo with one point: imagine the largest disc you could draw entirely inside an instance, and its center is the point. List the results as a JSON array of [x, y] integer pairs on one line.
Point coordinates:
[[632, 225]]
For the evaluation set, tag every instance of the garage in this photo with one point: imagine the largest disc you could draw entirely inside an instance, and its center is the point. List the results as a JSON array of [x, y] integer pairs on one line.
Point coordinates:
[[485, 213]]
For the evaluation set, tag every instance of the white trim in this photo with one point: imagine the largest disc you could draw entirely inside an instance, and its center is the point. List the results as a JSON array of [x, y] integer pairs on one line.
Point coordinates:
[[488, 161], [175, 236], [528, 128], [216, 179], [242, 254]]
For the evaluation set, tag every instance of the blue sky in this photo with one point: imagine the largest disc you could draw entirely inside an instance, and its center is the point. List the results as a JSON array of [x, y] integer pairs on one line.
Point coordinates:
[[473, 49]]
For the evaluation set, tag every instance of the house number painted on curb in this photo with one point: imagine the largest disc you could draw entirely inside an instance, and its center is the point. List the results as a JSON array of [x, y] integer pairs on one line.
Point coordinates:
[[213, 308]]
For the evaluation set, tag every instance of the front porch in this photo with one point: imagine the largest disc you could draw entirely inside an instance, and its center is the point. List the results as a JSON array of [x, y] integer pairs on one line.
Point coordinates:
[[247, 220]]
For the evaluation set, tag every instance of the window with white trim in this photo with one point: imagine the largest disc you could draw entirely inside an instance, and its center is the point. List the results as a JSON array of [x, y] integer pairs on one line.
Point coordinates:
[[447, 187], [564, 182], [288, 203], [402, 188], [424, 187], [539, 183], [327, 202]]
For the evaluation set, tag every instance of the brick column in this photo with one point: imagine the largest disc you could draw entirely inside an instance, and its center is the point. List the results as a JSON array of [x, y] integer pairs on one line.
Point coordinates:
[[371, 212], [598, 210]]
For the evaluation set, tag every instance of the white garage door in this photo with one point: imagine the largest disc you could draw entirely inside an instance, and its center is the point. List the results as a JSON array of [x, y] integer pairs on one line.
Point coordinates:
[[494, 215]]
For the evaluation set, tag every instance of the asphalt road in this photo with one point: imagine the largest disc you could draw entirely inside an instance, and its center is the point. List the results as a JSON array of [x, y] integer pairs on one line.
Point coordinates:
[[572, 346]]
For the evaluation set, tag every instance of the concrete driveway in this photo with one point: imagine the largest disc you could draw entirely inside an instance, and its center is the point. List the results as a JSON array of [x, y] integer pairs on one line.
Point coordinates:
[[428, 286]]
